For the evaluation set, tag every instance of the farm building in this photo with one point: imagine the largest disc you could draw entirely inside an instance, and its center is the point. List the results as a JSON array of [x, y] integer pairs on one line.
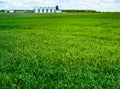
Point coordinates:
[[8, 11], [47, 10], [36, 10]]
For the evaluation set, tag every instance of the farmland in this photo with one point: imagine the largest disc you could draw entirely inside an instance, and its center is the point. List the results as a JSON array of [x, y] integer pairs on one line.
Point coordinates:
[[60, 51]]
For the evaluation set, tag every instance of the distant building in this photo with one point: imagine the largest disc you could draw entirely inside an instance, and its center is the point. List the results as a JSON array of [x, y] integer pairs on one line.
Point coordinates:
[[8, 11], [11, 11], [36, 10], [47, 10], [17, 11]]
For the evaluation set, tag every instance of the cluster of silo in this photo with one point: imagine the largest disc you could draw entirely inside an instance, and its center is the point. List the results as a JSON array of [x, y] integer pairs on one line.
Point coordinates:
[[45, 10]]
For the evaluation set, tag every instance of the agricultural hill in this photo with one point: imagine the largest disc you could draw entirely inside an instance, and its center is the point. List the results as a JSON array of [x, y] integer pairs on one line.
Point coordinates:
[[60, 51]]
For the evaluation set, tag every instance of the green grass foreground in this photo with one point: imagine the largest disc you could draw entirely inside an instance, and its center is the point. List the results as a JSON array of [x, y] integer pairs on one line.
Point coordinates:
[[60, 51]]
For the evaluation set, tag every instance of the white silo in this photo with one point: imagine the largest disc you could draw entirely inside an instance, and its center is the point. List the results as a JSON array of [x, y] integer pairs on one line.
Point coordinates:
[[36, 10]]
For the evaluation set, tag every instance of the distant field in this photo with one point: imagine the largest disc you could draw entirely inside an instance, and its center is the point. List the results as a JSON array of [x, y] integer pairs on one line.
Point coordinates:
[[60, 51]]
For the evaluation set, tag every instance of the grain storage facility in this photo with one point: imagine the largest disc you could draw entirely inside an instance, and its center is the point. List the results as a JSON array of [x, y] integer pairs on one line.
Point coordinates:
[[47, 10]]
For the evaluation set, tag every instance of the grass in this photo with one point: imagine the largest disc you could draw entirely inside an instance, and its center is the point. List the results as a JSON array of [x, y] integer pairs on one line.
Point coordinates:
[[60, 51]]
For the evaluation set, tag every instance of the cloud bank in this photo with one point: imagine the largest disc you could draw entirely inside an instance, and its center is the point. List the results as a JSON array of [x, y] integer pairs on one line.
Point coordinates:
[[99, 5]]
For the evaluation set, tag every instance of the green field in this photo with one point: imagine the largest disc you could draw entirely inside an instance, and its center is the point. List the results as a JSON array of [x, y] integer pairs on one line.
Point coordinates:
[[60, 51]]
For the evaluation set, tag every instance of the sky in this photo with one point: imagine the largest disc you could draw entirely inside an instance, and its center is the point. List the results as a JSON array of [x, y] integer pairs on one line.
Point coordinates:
[[99, 5]]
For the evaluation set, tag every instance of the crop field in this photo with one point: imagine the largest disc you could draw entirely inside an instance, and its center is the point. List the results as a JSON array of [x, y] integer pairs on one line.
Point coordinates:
[[60, 51]]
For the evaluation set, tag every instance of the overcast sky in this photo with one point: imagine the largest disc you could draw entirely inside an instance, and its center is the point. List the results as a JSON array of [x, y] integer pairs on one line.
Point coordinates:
[[100, 5]]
